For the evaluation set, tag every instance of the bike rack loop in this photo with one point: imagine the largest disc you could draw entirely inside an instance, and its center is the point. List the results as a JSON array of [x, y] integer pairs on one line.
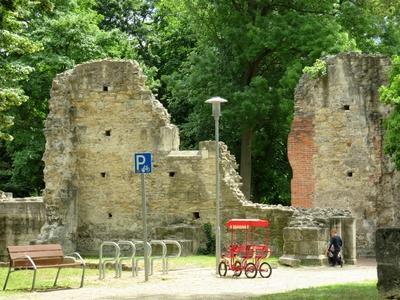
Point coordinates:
[[131, 257], [136, 242], [104, 261], [162, 257], [176, 243]]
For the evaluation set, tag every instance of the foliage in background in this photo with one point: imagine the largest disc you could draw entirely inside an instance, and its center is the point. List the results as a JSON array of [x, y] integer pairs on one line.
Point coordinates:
[[253, 57], [14, 44], [318, 69], [391, 95], [249, 52], [210, 240], [67, 35]]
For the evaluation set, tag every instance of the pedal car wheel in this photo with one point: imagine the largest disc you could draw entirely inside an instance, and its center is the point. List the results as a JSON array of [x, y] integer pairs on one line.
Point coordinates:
[[250, 270], [222, 269], [265, 270], [237, 269]]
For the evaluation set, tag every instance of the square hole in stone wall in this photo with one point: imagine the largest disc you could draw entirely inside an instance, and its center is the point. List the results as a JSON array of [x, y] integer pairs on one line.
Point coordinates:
[[346, 107], [103, 174], [349, 173], [107, 132], [109, 215], [105, 88], [171, 174], [196, 215]]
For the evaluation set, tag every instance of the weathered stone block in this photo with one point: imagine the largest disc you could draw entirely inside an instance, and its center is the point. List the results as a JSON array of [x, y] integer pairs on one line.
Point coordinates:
[[291, 234], [388, 259], [20, 221], [289, 260]]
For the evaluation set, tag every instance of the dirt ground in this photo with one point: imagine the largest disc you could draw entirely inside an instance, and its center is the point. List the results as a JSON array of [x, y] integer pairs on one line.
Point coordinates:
[[204, 284]]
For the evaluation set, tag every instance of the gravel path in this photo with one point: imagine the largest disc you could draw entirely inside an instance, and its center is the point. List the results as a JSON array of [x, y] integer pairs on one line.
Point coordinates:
[[203, 284]]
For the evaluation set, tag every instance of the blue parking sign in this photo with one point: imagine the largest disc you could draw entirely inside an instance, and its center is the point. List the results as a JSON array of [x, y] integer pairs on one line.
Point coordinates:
[[143, 162]]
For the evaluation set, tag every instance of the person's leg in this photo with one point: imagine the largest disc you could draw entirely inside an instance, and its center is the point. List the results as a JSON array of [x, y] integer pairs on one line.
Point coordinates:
[[335, 258], [330, 258]]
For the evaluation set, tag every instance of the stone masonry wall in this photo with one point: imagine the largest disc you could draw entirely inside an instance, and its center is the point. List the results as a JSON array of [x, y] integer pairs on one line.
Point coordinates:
[[388, 260], [349, 170], [20, 220], [100, 114]]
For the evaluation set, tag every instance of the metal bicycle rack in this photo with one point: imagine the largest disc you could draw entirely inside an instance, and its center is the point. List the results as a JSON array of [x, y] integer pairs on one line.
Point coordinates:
[[131, 257], [136, 242], [176, 243], [104, 261], [162, 256]]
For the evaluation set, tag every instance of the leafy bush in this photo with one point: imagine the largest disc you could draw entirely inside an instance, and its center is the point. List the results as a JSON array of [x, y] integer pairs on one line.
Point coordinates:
[[318, 69], [210, 241]]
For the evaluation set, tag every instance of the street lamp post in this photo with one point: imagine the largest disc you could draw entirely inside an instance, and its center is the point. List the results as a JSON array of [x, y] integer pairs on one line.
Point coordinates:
[[216, 112]]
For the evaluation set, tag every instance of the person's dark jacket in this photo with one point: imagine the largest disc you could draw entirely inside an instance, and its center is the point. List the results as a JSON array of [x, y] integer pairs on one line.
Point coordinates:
[[336, 242]]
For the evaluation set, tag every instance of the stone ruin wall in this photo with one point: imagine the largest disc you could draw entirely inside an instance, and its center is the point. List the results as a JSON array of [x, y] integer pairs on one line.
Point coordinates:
[[20, 220], [335, 145], [100, 114]]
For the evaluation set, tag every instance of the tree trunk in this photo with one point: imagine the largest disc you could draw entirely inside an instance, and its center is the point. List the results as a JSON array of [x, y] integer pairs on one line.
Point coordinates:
[[245, 162]]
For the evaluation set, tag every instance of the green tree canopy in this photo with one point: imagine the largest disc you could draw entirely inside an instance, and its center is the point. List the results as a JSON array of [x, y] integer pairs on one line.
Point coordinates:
[[14, 44], [391, 95], [67, 35], [252, 53]]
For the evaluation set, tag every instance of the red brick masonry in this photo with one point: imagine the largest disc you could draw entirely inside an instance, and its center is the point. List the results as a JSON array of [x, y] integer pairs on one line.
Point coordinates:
[[301, 150]]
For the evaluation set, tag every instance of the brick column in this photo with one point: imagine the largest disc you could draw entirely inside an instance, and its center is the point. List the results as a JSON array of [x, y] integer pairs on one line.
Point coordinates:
[[301, 150]]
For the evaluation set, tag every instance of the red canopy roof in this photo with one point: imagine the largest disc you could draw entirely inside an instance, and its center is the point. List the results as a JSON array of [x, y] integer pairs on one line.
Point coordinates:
[[246, 223]]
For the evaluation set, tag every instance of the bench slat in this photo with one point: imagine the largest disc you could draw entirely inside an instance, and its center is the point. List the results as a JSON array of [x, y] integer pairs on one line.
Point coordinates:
[[38, 262], [37, 254], [34, 248], [76, 264]]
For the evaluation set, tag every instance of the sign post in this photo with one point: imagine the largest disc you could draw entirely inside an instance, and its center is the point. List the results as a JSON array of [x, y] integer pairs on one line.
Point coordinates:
[[143, 165]]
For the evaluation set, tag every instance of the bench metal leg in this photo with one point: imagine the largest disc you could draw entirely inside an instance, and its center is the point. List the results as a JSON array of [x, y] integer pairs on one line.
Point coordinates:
[[58, 273], [8, 275], [133, 267], [33, 280], [83, 275]]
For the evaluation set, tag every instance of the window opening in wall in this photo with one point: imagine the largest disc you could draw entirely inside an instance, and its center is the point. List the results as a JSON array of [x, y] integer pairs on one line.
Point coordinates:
[[108, 133], [171, 174], [105, 88], [349, 173], [196, 215], [109, 215], [103, 174], [346, 107]]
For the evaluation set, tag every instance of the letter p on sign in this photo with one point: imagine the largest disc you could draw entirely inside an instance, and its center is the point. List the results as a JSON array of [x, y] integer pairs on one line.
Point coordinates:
[[143, 162]]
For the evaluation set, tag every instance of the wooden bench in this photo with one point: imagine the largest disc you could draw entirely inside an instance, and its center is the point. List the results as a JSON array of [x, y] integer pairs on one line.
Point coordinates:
[[33, 257]]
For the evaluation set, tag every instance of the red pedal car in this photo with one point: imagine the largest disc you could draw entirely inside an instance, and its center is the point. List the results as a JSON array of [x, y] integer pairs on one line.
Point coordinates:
[[247, 256]]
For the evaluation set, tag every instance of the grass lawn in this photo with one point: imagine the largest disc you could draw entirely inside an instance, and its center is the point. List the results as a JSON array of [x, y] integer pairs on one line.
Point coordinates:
[[21, 281], [354, 291]]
